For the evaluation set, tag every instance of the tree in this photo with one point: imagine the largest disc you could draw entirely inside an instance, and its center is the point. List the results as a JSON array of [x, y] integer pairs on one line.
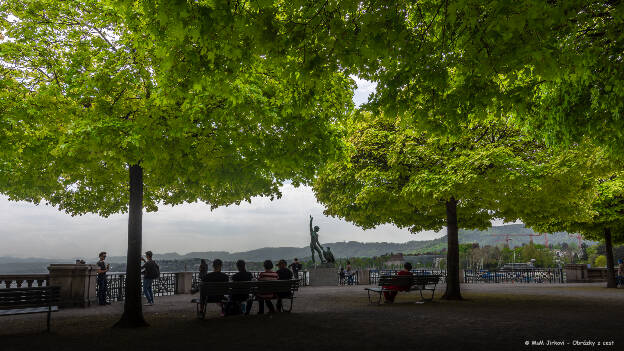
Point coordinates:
[[554, 66], [99, 122], [606, 223], [395, 172], [601, 261]]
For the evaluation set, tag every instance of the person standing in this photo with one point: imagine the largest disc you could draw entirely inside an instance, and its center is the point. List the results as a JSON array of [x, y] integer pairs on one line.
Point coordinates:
[[349, 274], [296, 267], [151, 271], [102, 268], [203, 269]]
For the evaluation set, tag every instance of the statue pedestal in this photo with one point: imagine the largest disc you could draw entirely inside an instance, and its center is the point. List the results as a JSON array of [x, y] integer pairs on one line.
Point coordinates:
[[323, 276]]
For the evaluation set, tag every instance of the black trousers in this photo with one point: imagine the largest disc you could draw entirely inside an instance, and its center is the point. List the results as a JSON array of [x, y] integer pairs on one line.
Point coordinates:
[[261, 306], [102, 287]]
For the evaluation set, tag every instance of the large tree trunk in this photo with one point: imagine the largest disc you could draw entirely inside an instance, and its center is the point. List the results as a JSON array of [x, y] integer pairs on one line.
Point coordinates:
[[452, 255], [133, 308], [610, 264]]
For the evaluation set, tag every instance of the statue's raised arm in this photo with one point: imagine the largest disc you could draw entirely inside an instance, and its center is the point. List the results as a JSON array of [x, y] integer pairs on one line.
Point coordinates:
[[311, 229]]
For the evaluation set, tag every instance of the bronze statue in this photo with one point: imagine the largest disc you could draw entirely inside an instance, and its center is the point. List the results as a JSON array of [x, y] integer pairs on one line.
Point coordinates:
[[329, 256], [314, 243]]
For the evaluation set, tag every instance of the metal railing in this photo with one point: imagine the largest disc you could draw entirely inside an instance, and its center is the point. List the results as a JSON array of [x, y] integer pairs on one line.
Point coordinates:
[[23, 280], [116, 286], [349, 279], [304, 278], [374, 274], [543, 275]]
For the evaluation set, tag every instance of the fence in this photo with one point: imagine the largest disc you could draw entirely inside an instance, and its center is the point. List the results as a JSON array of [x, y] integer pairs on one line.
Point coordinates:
[[349, 279], [546, 275], [116, 286], [374, 274], [18, 280], [304, 278]]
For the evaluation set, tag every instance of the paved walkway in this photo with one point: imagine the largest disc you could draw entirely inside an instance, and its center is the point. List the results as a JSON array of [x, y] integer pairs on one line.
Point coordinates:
[[494, 316]]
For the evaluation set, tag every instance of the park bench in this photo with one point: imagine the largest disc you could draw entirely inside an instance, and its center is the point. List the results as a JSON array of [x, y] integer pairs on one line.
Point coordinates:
[[405, 283], [285, 288], [29, 300]]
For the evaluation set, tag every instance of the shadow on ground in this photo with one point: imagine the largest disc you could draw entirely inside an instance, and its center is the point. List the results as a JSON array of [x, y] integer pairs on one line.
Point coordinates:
[[342, 319]]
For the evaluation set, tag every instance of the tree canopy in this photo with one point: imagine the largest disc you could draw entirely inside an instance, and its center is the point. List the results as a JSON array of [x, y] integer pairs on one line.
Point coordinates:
[[88, 99], [554, 66], [105, 107], [395, 172], [606, 222]]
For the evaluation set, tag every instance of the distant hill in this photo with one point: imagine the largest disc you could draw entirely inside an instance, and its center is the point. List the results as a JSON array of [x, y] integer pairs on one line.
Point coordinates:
[[340, 249]]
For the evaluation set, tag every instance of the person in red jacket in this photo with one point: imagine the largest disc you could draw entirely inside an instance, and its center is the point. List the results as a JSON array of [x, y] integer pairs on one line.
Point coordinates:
[[390, 295]]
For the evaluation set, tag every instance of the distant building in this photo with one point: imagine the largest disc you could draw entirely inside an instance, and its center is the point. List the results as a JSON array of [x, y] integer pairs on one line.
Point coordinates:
[[395, 260]]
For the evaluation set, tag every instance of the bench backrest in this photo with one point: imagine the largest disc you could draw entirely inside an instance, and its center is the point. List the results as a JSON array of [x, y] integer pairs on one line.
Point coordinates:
[[14, 298], [214, 288], [396, 280], [275, 286], [426, 279], [241, 288], [406, 281]]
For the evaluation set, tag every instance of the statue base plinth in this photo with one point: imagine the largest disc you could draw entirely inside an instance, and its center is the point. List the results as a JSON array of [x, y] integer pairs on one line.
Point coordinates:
[[323, 276], [326, 265]]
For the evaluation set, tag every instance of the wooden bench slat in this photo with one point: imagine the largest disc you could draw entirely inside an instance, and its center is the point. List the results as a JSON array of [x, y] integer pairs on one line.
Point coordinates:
[[29, 300], [27, 310], [405, 283]]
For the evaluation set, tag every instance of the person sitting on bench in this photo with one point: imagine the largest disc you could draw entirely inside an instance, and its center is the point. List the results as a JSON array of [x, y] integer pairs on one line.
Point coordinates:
[[390, 295], [242, 276], [283, 273], [268, 274], [216, 276]]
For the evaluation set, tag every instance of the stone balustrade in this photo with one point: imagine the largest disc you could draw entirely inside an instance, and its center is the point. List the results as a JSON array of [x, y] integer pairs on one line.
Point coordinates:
[[78, 283], [23, 280]]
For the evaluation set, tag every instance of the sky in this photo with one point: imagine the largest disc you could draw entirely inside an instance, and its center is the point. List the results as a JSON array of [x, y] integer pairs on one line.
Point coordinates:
[[28, 230]]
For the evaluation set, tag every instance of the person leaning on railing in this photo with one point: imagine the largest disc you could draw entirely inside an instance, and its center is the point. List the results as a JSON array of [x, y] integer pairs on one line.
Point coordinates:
[[102, 268], [203, 269], [151, 271]]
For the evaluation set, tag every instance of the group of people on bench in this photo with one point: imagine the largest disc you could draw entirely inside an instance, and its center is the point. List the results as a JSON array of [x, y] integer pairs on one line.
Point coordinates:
[[389, 296], [242, 303]]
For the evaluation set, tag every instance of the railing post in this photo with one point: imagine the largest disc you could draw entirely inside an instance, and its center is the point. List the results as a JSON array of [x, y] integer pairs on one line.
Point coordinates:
[[364, 278], [184, 282], [77, 282]]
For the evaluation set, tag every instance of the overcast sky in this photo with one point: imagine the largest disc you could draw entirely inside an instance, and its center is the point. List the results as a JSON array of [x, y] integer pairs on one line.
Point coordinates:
[[42, 231]]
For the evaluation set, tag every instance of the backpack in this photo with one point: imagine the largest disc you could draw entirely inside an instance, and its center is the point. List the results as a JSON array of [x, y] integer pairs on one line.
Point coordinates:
[[156, 271]]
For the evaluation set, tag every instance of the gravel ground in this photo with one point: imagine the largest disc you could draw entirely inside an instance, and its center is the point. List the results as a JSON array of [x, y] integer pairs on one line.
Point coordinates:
[[492, 317]]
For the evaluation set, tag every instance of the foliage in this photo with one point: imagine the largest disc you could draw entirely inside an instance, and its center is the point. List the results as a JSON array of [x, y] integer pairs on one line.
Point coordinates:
[[99, 105], [555, 66], [601, 261], [607, 211], [102, 100], [395, 172]]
